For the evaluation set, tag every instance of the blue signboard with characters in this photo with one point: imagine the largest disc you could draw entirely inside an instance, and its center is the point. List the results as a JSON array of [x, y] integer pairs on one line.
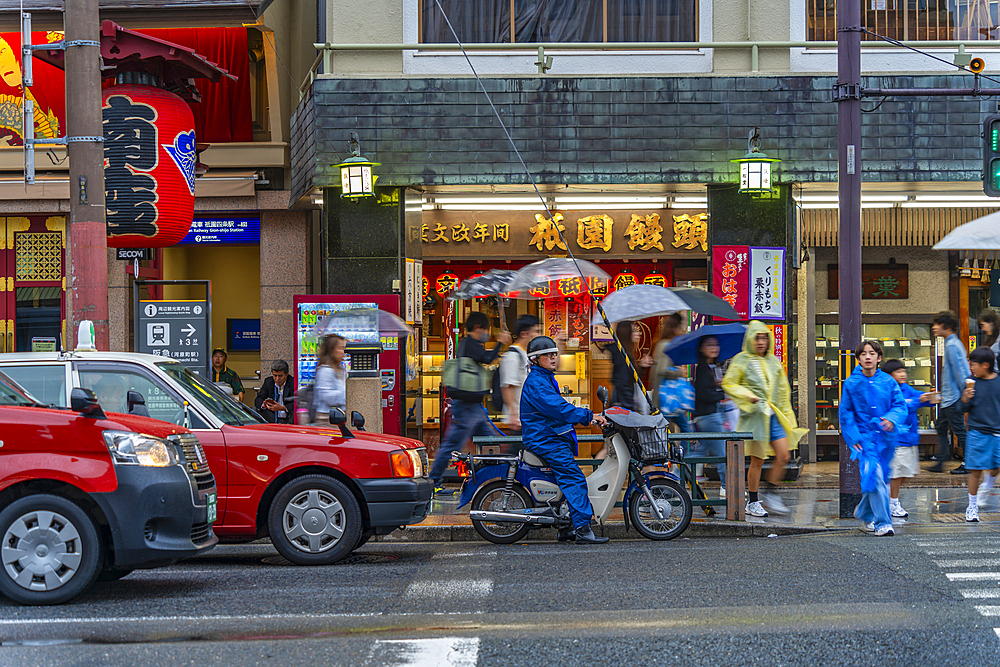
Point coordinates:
[[243, 334], [223, 229]]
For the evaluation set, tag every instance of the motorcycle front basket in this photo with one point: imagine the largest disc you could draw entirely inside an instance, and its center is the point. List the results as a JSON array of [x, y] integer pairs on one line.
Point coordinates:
[[653, 443]]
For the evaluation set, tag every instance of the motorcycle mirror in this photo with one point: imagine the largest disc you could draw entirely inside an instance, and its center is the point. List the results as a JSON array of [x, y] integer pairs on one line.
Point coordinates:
[[602, 396]]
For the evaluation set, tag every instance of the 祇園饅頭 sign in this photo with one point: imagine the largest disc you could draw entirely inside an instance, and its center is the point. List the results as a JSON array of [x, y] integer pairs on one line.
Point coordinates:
[[665, 233]]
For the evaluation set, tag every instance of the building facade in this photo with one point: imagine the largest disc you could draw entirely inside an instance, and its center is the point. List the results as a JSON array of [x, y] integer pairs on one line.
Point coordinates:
[[648, 126]]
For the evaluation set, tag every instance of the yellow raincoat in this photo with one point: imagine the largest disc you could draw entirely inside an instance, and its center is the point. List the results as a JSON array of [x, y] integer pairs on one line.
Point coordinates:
[[752, 376]]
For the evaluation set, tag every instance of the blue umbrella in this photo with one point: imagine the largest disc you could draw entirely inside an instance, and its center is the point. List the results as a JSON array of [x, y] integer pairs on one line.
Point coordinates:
[[684, 349]]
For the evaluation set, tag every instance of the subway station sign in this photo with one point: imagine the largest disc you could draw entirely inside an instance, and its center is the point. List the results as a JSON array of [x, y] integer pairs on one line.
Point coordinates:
[[223, 230], [523, 234]]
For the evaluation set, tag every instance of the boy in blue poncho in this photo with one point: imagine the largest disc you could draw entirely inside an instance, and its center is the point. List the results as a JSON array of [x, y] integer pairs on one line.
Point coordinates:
[[872, 413], [906, 461], [547, 430]]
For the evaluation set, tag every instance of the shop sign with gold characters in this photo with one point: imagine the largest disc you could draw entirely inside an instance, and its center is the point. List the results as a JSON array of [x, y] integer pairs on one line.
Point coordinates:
[[508, 233]]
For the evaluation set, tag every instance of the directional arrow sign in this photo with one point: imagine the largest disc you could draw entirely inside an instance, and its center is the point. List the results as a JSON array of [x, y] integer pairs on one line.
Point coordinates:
[[189, 330], [176, 329]]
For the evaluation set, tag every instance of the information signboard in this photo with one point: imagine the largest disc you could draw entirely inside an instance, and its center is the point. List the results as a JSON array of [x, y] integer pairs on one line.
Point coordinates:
[[223, 229], [177, 329]]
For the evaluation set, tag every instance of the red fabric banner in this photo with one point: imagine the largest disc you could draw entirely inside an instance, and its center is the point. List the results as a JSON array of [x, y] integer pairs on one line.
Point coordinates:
[[731, 276], [223, 115]]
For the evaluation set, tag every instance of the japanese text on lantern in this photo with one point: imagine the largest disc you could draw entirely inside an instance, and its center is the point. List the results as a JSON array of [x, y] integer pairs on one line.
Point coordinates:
[[691, 231], [545, 233], [130, 146]]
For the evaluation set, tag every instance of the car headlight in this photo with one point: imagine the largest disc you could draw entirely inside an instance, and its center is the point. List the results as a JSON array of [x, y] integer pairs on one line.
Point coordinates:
[[406, 463], [129, 448]]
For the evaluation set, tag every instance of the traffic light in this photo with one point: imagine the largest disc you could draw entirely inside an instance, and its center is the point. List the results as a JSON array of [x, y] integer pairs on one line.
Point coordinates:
[[991, 155]]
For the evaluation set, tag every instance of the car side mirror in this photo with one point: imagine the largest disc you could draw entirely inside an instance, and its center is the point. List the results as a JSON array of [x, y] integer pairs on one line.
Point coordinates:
[[84, 401], [357, 420], [339, 418], [602, 396]]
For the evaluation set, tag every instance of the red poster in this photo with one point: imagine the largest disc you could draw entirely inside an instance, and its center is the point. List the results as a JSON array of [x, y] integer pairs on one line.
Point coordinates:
[[731, 276], [578, 321]]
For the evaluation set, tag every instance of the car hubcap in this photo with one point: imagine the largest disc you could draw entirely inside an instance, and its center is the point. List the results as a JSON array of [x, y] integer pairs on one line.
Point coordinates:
[[314, 521], [41, 551]]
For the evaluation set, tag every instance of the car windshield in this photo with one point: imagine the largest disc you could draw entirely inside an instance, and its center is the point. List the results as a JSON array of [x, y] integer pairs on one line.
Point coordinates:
[[11, 393], [225, 408]]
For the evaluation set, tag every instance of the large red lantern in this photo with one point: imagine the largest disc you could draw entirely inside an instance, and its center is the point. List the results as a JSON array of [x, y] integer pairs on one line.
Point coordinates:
[[149, 158]]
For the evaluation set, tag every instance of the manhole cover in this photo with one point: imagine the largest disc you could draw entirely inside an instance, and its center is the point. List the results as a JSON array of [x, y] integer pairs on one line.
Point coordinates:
[[353, 559]]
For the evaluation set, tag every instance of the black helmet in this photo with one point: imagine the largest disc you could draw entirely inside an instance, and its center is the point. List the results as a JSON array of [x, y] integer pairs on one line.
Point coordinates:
[[540, 345]]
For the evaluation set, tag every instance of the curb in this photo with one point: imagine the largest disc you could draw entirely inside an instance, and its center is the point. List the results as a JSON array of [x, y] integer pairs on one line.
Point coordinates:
[[614, 530]]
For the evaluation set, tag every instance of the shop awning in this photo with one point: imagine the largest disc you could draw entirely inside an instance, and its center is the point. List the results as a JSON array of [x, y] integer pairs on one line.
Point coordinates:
[[216, 183], [890, 226], [980, 234]]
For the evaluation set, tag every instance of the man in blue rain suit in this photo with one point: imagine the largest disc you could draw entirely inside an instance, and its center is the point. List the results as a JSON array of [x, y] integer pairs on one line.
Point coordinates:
[[547, 421], [872, 415]]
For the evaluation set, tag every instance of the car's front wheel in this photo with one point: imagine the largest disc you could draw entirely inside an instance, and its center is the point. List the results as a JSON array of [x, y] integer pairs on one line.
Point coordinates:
[[314, 520], [50, 550]]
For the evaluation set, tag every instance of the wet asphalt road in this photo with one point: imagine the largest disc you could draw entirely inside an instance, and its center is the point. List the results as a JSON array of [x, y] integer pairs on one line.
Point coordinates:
[[930, 597]]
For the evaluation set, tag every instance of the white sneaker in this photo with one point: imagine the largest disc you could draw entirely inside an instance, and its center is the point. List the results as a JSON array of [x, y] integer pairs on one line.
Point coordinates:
[[897, 511], [722, 493], [884, 531], [868, 527], [972, 514], [755, 509], [983, 495], [773, 503]]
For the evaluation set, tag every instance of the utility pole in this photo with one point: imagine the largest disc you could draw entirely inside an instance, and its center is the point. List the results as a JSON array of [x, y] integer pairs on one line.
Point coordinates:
[[86, 235], [847, 94]]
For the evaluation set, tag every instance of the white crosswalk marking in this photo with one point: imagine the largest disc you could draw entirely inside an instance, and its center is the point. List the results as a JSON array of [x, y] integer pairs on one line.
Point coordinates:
[[435, 652], [450, 588], [972, 550], [988, 609], [980, 593], [973, 576], [969, 562]]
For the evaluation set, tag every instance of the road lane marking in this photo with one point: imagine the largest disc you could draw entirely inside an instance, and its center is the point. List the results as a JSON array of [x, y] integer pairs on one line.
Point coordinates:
[[973, 576], [450, 588], [436, 652], [969, 562], [988, 609], [464, 554], [980, 593], [153, 619], [969, 551]]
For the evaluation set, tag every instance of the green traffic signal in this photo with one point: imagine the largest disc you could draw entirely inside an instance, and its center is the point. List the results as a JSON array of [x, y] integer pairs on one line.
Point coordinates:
[[991, 155]]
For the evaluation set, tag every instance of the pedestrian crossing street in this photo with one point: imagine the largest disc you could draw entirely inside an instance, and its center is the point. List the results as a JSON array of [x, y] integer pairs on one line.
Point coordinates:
[[970, 560]]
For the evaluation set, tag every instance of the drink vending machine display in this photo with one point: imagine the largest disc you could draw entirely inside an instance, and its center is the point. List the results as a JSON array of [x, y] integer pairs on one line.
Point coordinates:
[[369, 352]]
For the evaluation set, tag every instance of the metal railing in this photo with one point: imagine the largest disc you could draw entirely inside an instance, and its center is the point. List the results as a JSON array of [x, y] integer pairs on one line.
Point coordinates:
[[734, 461], [327, 49]]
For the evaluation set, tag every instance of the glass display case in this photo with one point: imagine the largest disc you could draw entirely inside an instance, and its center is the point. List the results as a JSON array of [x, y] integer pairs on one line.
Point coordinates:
[[910, 343]]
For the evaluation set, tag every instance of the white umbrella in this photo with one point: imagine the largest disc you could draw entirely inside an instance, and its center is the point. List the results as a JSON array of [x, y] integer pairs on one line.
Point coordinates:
[[980, 234]]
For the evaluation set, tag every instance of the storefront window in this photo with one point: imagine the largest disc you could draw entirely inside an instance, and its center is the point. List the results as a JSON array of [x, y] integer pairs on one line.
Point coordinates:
[[489, 21], [923, 20]]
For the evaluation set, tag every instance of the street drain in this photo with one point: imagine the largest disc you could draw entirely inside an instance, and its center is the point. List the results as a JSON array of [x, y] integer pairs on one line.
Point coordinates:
[[354, 559]]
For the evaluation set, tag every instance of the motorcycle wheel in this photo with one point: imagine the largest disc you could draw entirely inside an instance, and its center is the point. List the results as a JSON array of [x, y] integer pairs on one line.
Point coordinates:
[[490, 498], [672, 500]]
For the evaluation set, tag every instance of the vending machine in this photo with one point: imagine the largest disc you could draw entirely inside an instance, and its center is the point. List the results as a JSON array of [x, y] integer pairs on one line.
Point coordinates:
[[370, 353]]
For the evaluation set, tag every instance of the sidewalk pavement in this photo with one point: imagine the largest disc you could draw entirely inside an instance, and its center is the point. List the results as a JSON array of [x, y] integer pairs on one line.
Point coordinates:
[[813, 501]]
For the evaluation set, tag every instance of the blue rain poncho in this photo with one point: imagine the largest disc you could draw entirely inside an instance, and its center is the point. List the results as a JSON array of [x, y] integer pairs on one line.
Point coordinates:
[[864, 403]]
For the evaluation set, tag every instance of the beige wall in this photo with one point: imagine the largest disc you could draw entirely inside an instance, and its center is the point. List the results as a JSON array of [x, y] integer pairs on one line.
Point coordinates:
[[368, 22], [928, 278], [769, 22], [234, 272]]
